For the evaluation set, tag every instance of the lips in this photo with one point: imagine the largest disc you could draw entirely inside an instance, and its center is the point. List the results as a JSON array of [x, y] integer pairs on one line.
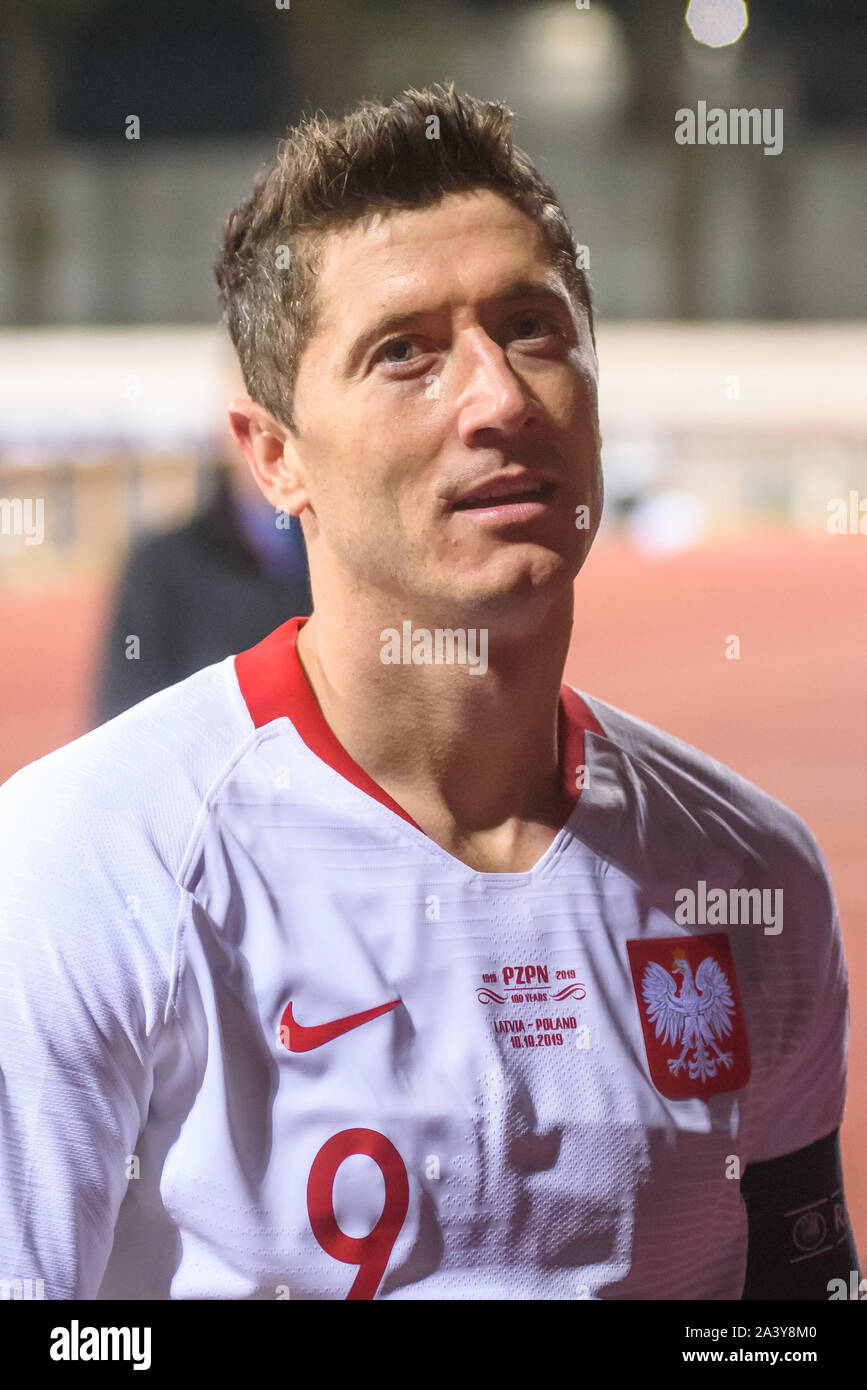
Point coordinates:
[[505, 489]]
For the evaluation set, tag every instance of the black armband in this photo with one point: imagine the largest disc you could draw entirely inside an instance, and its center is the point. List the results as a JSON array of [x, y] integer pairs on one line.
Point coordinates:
[[800, 1240]]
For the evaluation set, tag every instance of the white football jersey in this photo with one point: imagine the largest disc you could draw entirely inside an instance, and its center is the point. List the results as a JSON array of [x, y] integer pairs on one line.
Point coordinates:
[[261, 1037]]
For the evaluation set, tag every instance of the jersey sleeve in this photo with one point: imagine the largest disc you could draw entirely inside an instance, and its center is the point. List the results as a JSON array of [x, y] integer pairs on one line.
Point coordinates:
[[807, 1094], [84, 984]]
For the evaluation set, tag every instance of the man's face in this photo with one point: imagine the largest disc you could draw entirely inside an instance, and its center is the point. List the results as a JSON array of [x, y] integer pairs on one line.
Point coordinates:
[[395, 422]]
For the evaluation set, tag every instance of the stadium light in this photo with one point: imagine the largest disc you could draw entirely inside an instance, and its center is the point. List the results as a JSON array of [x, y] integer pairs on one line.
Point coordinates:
[[569, 62], [716, 23]]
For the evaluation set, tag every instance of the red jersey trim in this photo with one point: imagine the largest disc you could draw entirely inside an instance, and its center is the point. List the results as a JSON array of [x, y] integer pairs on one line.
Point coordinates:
[[273, 684]]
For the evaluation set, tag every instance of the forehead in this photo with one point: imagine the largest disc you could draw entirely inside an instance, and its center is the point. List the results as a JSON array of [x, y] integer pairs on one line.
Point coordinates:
[[454, 250]]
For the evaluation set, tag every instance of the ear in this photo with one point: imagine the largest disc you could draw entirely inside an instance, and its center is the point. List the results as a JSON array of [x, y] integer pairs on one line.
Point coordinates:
[[270, 452]]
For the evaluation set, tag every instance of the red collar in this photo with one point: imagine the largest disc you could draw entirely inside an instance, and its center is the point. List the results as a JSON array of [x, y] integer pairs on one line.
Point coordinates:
[[273, 684]]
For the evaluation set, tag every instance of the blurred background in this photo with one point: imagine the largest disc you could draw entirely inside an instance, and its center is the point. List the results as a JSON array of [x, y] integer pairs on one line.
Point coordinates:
[[730, 288]]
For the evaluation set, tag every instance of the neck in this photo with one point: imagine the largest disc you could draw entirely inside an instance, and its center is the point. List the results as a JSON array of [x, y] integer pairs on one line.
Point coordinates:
[[465, 752]]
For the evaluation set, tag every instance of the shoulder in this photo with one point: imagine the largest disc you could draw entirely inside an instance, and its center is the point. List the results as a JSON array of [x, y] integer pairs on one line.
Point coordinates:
[[689, 832], [92, 842], [133, 786], [685, 808]]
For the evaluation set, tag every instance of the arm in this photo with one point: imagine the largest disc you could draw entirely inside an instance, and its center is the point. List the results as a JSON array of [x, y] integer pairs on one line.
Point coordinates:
[[799, 1233], [83, 989], [799, 1238]]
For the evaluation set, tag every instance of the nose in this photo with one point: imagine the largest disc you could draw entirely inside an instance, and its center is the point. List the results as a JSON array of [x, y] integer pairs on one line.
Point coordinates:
[[492, 395]]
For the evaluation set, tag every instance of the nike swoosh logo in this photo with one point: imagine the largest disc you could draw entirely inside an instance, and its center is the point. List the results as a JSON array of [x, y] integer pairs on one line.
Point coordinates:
[[299, 1038]]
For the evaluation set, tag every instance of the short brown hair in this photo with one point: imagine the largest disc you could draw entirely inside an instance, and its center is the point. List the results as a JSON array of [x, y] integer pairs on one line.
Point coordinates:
[[329, 174]]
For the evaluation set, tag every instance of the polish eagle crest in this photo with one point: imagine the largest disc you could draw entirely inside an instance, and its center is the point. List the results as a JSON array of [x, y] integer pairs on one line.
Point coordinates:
[[696, 1019]]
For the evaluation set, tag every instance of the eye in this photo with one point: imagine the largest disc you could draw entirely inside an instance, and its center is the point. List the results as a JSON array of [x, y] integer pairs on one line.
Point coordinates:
[[396, 343], [547, 325]]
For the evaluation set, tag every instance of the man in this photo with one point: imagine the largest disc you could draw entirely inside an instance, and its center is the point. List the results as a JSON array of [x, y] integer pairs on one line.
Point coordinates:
[[363, 965], [202, 591]]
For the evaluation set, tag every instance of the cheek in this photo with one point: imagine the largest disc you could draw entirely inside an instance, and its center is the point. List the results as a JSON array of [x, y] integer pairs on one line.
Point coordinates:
[[569, 396], [399, 453], [585, 396], [359, 499], [579, 431]]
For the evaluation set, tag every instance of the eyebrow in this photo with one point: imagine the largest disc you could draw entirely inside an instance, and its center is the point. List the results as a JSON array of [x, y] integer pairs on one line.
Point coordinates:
[[518, 289]]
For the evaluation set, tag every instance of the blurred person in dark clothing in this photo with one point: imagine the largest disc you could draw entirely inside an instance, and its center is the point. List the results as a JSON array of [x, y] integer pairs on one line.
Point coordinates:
[[201, 592]]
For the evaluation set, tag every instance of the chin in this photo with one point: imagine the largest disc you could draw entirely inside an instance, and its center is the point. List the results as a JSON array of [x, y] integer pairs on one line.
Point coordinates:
[[536, 584]]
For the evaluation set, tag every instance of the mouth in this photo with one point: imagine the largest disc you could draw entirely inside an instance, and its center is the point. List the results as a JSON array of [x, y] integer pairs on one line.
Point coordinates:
[[530, 501]]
